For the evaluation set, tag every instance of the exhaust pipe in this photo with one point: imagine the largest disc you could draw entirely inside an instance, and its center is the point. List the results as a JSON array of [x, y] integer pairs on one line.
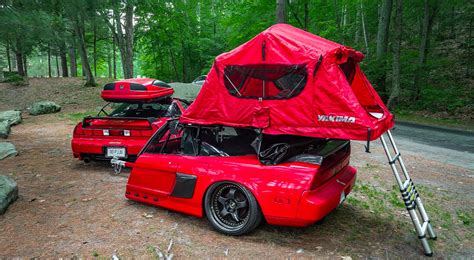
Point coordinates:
[[87, 159]]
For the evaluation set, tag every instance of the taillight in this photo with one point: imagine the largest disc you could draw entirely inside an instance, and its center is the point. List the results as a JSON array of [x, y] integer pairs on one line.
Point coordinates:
[[78, 129], [323, 174]]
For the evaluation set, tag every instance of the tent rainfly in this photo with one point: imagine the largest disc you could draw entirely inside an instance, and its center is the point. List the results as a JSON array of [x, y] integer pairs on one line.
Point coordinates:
[[288, 81]]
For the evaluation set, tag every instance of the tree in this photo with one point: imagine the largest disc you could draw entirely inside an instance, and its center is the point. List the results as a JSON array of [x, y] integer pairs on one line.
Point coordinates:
[[383, 28], [281, 15], [429, 13], [382, 44], [80, 34], [396, 45], [77, 11], [123, 33]]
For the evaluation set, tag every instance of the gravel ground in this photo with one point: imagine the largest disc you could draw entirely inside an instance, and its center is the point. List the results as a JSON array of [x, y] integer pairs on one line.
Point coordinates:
[[70, 209]]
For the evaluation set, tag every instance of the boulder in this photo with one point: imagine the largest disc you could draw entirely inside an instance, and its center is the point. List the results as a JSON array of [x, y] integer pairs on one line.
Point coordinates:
[[4, 129], [7, 150], [12, 117], [44, 107], [8, 192]]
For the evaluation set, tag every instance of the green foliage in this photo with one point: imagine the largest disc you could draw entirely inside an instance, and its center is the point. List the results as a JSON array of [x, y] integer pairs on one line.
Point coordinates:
[[179, 40], [14, 78], [464, 217]]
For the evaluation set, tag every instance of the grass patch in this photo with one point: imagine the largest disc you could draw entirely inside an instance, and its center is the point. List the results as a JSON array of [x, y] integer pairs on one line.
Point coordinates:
[[431, 121], [464, 217], [15, 79], [78, 116]]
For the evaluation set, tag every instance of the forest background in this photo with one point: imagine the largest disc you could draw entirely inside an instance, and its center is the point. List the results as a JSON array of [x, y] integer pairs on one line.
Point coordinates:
[[418, 52]]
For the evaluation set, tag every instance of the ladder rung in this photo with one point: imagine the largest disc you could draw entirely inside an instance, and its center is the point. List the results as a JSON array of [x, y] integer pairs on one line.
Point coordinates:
[[397, 156]]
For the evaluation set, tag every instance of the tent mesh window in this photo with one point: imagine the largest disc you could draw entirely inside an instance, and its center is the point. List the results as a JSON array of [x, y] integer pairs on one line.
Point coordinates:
[[265, 81]]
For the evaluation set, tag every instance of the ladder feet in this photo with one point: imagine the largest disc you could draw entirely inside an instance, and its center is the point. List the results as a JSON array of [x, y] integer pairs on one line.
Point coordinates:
[[429, 254]]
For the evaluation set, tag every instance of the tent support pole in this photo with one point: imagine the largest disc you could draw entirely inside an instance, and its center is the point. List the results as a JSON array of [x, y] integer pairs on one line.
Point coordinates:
[[367, 146]]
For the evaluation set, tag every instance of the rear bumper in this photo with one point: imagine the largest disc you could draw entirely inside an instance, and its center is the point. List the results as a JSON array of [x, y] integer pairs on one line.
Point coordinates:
[[94, 148], [316, 204]]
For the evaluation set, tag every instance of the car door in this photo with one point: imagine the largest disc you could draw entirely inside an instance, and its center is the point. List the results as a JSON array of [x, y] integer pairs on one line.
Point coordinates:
[[155, 169], [156, 172]]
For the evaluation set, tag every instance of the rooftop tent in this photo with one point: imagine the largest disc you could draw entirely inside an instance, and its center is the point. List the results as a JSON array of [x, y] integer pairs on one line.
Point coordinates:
[[288, 81]]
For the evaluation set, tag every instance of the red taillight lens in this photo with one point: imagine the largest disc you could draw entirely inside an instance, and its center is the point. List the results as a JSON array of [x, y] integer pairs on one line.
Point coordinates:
[[78, 129], [323, 174]]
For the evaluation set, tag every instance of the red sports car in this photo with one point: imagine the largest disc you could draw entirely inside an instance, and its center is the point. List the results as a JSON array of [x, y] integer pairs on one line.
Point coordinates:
[[142, 106], [236, 176]]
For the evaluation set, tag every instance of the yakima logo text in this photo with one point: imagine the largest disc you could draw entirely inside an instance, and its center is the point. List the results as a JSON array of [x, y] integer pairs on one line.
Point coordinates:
[[343, 119]]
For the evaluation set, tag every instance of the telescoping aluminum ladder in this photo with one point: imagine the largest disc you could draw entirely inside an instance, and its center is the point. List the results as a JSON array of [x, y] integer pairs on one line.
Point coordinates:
[[410, 196]]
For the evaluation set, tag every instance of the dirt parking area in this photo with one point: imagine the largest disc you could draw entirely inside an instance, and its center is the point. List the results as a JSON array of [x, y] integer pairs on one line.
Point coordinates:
[[71, 209]]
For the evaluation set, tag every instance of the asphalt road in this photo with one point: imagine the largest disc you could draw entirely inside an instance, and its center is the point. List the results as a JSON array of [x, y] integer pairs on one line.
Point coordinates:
[[445, 145]]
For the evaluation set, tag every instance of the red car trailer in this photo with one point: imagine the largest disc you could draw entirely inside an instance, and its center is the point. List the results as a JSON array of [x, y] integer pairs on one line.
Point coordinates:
[[267, 138], [142, 107]]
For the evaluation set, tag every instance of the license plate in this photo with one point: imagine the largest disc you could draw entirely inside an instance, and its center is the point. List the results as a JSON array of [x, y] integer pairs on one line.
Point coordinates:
[[342, 198], [118, 152]]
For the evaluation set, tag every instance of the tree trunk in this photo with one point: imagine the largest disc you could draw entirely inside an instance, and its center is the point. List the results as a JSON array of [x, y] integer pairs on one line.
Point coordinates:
[[9, 58], [25, 65], [383, 28], [469, 48], [124, 38], [173, 61], [397, 41], [79, 28], [129, 34], [57, 66], [63, 56], [109, 64], [72, 61], [183, 60], [430, 9], [281, 16], [94, 54], [382, 45], [364, 29], [19, 63], [49, 62], [357, 24], [114, 52], [19, 58]]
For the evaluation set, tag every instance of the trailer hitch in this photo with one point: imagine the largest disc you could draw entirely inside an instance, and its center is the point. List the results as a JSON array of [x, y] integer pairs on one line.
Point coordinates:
[[118, 165]]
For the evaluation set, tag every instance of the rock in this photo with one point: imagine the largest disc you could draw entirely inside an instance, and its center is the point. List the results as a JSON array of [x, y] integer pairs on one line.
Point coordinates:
[[8, 193], [44, 107], [4, 129], [7, 150], [12, 117]]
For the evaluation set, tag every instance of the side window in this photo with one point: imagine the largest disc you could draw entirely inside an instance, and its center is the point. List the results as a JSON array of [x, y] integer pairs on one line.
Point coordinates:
[[163, 141]]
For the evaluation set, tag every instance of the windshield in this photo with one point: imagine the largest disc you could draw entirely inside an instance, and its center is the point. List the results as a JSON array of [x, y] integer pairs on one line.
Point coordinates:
[[146, 110]]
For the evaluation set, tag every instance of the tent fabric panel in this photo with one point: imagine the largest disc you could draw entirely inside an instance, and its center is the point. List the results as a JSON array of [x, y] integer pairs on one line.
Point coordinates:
[[329, 106]]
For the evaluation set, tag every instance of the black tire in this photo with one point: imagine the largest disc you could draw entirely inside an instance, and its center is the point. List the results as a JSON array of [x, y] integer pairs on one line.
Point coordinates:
[[231, 208]]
